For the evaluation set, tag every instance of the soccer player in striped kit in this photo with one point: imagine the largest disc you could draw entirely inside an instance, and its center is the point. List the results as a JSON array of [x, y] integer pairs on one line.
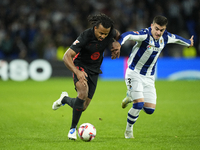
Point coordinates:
[[140, 73]]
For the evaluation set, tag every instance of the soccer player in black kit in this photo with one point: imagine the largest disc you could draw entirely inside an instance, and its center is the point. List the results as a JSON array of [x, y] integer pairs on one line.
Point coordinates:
[[84, 58]]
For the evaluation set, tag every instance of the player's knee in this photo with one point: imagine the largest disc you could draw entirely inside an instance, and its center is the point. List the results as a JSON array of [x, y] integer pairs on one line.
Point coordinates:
[[82, 90], [133, 95], [149, 110], [82, 94], [138, 105]]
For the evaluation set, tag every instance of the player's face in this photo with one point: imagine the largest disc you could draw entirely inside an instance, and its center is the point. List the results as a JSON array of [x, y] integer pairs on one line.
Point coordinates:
[[157, 30], [101, 32]]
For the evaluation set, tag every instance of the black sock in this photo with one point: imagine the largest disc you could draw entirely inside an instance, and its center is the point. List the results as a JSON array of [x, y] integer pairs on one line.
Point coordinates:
[[68, 100], [77, 111]]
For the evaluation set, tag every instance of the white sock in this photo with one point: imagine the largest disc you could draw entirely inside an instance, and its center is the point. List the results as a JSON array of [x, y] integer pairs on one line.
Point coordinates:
[[129, 127], [133, 115]]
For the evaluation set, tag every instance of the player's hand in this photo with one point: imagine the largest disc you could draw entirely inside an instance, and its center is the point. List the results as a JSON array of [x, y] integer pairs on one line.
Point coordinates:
[[81, 75], [192, 41], [115, 50], [115, 53]]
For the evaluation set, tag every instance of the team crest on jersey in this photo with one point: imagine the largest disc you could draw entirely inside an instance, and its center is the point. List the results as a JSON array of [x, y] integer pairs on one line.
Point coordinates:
[[161, 41], [136, 32], [95, 56], [75, 42]]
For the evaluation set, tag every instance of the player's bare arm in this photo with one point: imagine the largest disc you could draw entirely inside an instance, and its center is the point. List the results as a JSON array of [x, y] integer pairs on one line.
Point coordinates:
[[115, 50], [117, 35], [68, 56], [115, 53]]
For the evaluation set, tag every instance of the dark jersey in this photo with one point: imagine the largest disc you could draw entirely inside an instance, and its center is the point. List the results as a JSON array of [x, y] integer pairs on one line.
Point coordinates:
[[90, 51]]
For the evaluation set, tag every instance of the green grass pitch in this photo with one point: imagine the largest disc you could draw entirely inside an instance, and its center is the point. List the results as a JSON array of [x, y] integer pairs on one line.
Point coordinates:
[[27, 121]]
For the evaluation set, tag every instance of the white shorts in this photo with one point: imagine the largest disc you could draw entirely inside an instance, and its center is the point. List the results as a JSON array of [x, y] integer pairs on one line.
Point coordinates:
[[140, 86]]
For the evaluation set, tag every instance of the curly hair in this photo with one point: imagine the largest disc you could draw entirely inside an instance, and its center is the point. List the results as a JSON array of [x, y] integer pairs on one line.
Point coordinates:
[[101, 18]]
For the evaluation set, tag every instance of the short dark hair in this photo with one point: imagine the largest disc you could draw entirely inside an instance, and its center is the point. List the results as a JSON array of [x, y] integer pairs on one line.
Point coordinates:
[[160, 20], [101, 18]]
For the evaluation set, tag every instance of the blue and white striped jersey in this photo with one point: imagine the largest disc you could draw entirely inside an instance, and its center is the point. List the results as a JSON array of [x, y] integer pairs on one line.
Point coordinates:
[[146, 51]]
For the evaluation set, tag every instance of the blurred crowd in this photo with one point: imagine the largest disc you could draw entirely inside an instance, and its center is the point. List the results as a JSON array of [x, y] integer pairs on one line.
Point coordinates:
[[31, 29]]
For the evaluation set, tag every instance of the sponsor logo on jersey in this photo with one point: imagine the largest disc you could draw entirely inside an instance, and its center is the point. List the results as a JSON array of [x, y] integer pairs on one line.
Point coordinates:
[[149, 47], [75, 42]]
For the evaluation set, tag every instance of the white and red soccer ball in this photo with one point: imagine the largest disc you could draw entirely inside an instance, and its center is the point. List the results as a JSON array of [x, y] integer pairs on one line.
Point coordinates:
[[87, 132]]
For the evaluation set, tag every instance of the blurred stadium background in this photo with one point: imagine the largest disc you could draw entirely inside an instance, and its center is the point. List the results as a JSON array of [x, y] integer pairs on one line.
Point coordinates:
[[34, 35], [32, 30]]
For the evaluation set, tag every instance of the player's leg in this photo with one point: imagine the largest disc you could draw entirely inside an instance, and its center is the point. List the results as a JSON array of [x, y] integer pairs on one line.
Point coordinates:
[[58, 103], [92, 83], [130, 77], [78, 106], [135, 93], [149, 108], [68, 100], [149, 96], [132, 116], [85, 94], [86, 103], [64, 98], [126, 100], [82, 92]]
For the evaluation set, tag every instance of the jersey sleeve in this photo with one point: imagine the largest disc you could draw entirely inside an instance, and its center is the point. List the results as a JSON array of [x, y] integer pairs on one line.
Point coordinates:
[[79, 43], [133, 35], [173, 38]]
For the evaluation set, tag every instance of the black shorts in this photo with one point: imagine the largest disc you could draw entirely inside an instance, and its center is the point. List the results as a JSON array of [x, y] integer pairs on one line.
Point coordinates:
[[92, 81]]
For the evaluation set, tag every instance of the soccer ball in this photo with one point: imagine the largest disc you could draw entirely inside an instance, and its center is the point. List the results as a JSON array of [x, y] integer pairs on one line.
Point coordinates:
[[87, 132]]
